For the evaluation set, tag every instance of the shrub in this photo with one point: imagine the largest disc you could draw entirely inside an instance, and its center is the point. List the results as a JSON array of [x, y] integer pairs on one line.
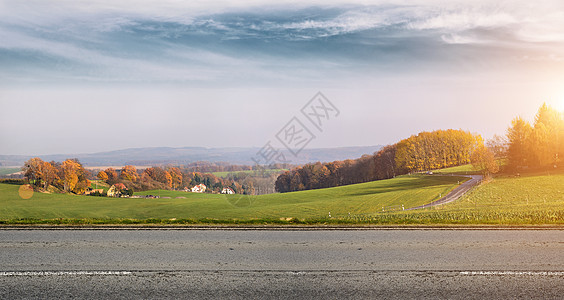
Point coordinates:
[[12, 181]]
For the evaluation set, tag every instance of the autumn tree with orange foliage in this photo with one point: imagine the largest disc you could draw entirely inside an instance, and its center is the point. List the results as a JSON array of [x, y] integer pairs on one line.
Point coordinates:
[[69, 176], [102, 176], [49, 175], [483, 159], [176, 177], [425, 151], [39, 172], [436, 150], [129, 173], [159, 175], [112, 175], [33, 170]]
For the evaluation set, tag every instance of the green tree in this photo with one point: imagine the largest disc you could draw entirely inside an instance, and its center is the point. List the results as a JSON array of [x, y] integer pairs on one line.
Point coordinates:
[[518, 138]]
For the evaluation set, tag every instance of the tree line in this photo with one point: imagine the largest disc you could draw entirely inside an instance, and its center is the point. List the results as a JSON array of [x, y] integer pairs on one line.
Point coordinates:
[[169, 178], [71, 177], [68, 176], [425, 151], [436, 150]]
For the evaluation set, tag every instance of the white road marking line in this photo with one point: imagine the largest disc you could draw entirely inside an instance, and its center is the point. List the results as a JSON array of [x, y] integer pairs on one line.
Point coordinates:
[[497, 273], [63, 273], [296, 273]]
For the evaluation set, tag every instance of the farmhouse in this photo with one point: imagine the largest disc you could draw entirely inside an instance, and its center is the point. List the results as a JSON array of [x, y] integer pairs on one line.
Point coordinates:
[[116, 190], [200, 188], [113, 191], [227, 190]]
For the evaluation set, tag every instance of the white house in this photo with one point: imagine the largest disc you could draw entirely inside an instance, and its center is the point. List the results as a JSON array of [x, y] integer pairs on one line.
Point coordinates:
[[227, 190], [200, 188]]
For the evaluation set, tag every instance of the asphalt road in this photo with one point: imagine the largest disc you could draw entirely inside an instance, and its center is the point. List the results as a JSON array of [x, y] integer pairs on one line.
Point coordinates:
[[456, 193], [94, 264]]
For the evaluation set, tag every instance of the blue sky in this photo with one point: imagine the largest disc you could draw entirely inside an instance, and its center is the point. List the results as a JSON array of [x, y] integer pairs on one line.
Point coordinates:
[[88, 76]]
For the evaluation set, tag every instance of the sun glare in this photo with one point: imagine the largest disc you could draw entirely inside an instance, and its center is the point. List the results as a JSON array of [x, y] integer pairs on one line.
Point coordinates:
[[558, 102]]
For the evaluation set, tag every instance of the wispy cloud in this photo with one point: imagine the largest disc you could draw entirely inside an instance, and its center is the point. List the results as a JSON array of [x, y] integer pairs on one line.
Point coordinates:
[[170, 40]]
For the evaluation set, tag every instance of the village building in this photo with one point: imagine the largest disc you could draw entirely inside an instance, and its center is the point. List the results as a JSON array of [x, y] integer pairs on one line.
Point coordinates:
[[200, 188], [228, 191], [116, 190], [113, 191]]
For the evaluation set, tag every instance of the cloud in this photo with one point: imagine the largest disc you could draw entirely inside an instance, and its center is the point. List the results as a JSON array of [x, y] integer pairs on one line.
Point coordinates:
[[460, 39], [347, 22], [219, 41], [465, 20]]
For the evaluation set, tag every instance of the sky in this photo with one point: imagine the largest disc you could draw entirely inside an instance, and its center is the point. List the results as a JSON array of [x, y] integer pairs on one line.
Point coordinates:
[[91, 76]]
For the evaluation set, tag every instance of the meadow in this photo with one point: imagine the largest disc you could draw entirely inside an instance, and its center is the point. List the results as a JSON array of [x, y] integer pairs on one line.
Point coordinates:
[[7, 171], [460, 170], [536, 198], [529, 199], [359, 199]]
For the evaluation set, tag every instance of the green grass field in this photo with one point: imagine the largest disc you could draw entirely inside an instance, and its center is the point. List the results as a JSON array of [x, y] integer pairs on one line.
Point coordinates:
[[98, 184], [531, 199], [359, 199], [6, 171], [535, 198], [460, 170]]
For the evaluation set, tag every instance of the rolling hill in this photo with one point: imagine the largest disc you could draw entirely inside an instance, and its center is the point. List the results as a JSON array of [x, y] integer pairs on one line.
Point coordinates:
[[168, 155], [364, 198]]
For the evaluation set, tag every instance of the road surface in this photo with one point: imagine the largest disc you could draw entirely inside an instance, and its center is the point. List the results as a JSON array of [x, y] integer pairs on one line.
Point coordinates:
[[454, 194], [336, 264]]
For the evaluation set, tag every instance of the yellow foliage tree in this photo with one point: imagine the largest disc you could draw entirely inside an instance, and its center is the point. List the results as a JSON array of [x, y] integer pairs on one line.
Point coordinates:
[[483, 159], [69, 170], [176, 177], [102, 176], [129, 173]]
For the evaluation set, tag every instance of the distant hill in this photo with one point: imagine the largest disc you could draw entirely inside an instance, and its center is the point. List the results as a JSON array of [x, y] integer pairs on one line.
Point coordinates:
[[168, 155]]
